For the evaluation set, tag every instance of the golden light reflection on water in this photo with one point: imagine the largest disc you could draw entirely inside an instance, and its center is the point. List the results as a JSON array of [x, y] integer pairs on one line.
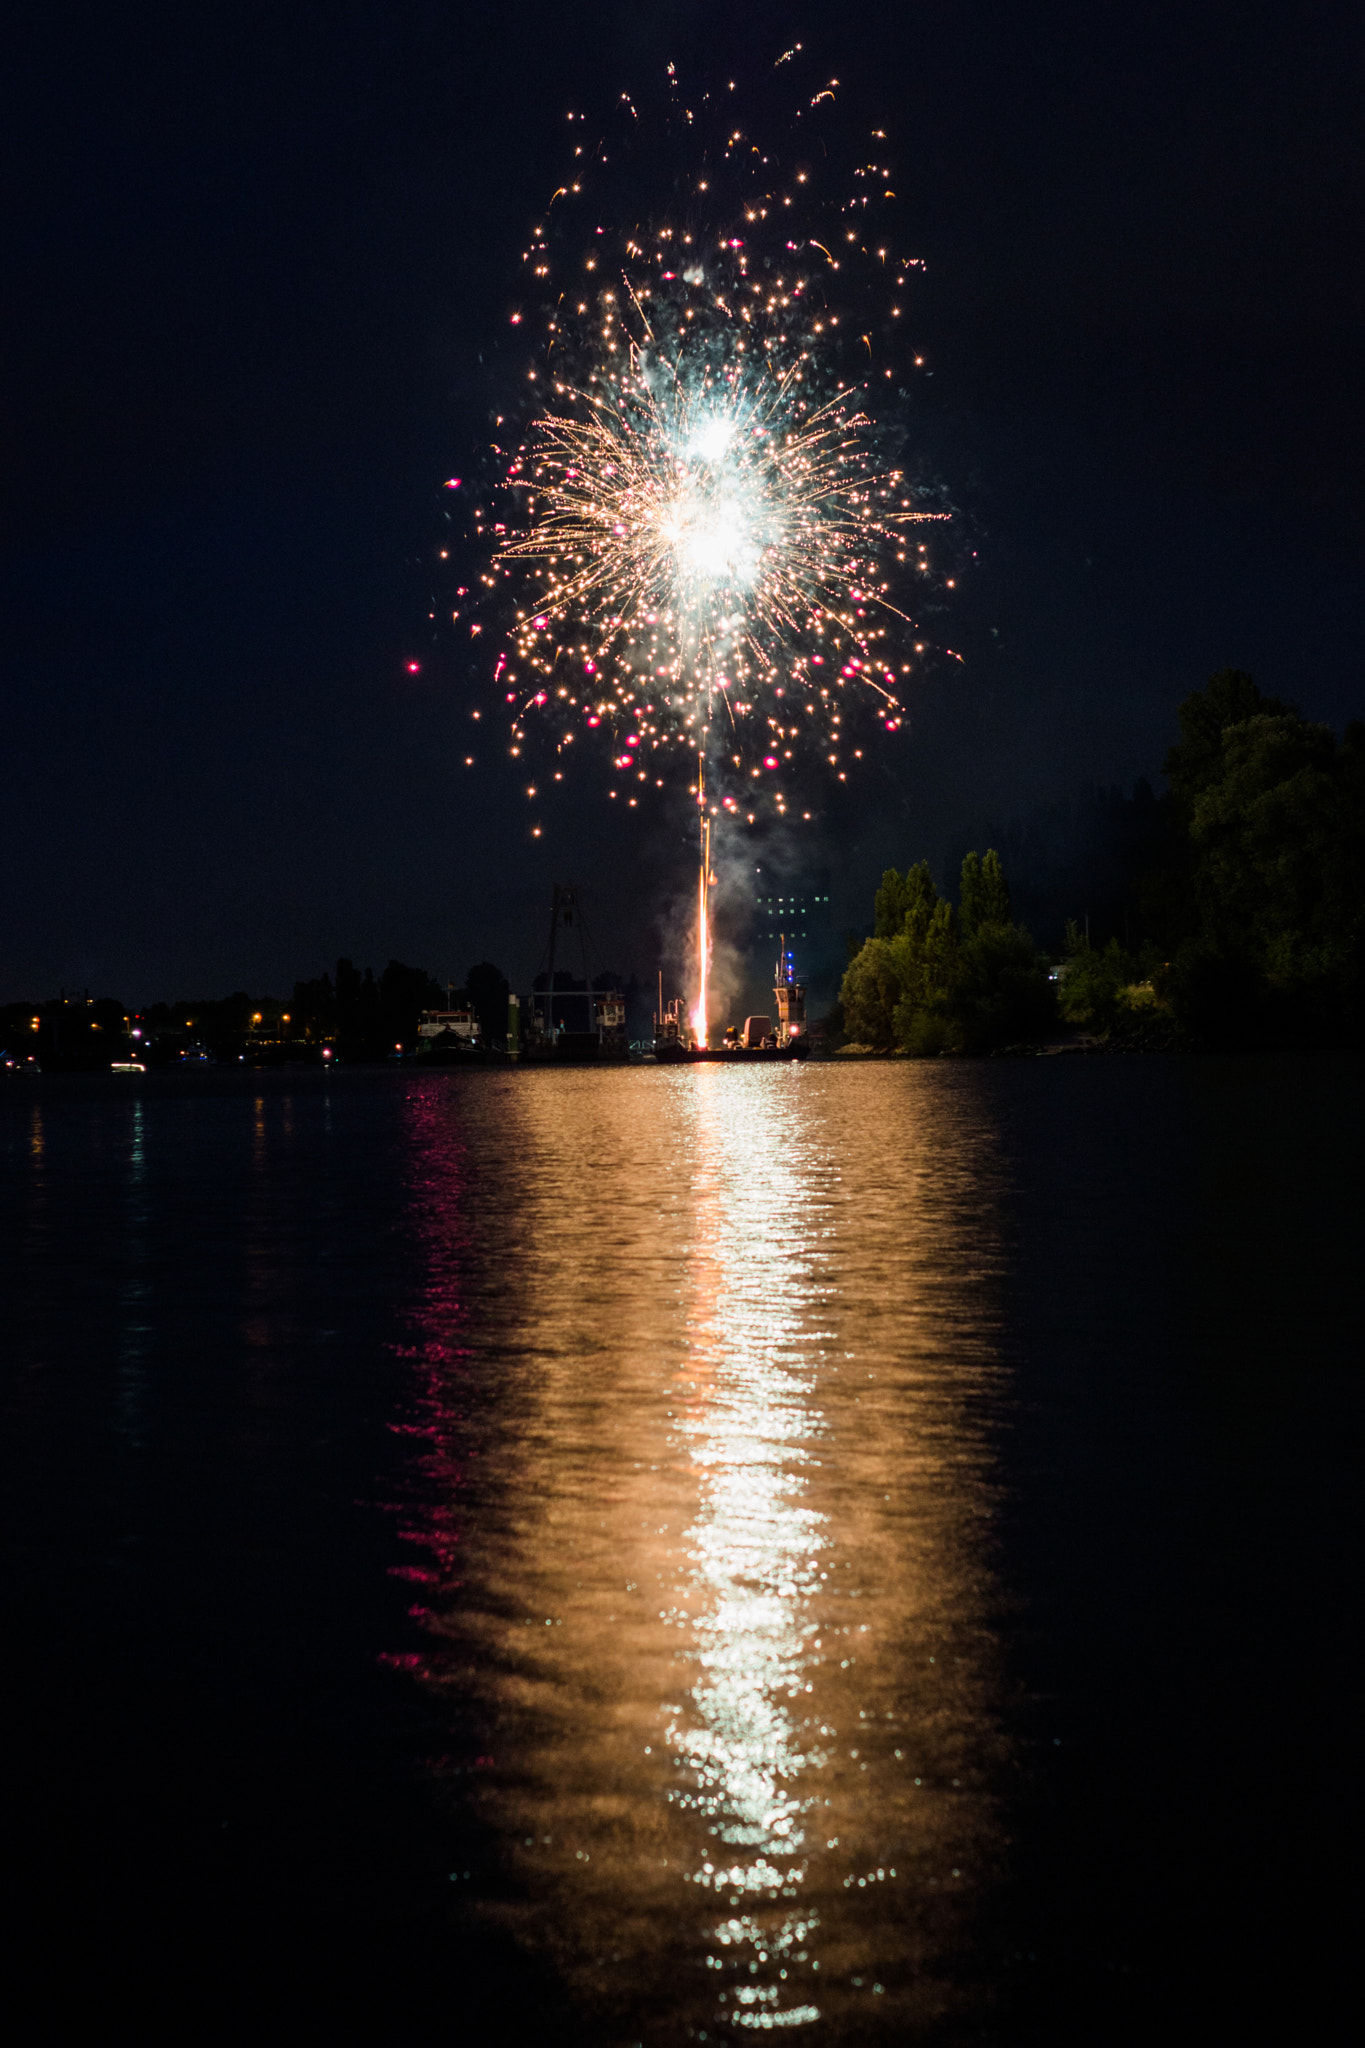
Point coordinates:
[[723, 1588], [754, 1551]]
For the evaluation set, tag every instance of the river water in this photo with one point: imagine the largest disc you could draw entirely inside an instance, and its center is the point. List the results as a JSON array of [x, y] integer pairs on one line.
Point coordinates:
[[863, 1553]]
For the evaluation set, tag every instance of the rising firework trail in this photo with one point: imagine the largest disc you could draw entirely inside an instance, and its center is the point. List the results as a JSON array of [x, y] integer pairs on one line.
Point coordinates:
[[702, 561]]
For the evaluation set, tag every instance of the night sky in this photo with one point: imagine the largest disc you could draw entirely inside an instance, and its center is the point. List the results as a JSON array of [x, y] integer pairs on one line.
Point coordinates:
[[251, 258]]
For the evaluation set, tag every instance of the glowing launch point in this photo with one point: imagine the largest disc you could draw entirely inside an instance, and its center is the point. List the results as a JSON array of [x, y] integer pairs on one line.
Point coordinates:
[[699, 1023]]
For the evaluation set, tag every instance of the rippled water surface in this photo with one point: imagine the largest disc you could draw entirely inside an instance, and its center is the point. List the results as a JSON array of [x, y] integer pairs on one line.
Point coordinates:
[[656, 1556]]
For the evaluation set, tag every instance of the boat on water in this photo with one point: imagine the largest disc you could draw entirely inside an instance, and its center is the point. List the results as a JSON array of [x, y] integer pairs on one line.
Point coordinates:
[[730, 1054]]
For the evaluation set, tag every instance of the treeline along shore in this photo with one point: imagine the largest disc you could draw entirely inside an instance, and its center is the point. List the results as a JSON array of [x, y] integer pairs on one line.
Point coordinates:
[[1242, 913], [1233, 915], [351, 1014]]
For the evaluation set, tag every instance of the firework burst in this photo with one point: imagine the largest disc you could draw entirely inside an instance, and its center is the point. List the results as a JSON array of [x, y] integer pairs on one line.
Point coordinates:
[[705, 542], [704, 565], [702, 556]]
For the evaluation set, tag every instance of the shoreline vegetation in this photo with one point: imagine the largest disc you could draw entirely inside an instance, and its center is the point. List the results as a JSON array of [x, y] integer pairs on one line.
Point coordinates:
[[1244, 918], [356, 1016], [1234, 919]]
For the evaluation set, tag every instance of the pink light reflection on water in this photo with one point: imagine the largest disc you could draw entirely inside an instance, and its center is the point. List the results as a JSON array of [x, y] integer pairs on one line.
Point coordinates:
[[431, 1515]]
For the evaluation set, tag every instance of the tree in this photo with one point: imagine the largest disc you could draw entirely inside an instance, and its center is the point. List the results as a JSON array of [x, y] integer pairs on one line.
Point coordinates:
[[869, 995], [1265, 834], [1096, 990], [488, 988], [1267, 888], [904, 900], [1001, 989], [935, 980], [984, 897], [358, 1016], [926, 960], [404, 992], [314, 1007], [1229, 699]]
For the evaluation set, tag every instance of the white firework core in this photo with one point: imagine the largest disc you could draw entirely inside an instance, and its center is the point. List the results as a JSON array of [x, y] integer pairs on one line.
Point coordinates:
[[698, 523]]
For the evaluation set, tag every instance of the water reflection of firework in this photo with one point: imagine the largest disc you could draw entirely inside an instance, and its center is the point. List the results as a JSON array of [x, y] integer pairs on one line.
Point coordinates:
[[717, 1638]]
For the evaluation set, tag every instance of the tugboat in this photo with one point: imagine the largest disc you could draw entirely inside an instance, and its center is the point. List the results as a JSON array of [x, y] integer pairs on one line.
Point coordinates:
[[758, 1038], [674, 1040]]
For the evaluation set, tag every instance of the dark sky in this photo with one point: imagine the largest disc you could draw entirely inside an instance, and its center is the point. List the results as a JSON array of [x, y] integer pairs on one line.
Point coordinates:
[[251, 256]]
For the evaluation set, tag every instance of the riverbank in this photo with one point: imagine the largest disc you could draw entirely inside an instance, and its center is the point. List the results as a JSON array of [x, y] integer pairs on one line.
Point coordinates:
[[1154, 1035]]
